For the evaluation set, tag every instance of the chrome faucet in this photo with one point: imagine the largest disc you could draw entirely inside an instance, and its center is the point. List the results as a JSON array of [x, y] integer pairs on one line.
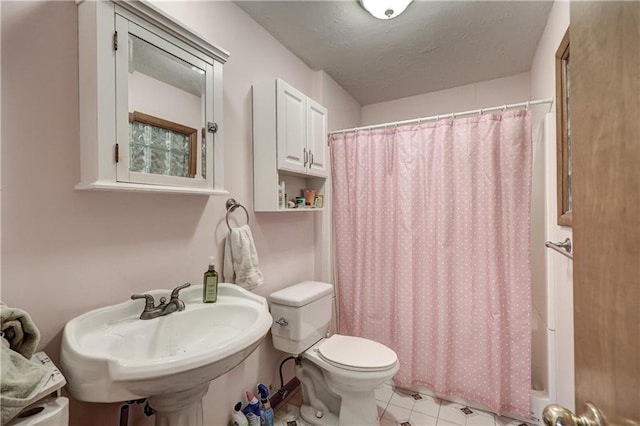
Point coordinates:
[[164, 308]]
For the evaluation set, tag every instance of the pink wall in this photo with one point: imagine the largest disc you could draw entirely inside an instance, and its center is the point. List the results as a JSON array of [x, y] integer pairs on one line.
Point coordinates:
[[65, 252], [463, 98], [345, 109]]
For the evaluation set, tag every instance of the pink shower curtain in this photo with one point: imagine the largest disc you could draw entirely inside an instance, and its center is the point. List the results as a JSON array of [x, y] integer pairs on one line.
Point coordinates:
[[432, 251]]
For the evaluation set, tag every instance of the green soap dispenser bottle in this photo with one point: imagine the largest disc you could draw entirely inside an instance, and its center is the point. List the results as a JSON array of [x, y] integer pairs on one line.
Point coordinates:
[[210, 288]]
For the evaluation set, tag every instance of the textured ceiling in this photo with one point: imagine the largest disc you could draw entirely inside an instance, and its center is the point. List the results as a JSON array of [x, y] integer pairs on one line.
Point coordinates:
[[433, 45]]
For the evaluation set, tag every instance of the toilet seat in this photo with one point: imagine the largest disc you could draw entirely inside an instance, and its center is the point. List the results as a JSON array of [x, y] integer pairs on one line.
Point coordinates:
[[356, 353]]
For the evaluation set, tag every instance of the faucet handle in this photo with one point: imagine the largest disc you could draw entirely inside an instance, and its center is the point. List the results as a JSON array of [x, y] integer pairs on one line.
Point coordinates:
[[150, 302], [176, 291]]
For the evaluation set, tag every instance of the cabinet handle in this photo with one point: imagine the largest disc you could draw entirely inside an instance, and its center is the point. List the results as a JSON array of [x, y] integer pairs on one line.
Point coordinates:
[[311, 158], [306, 156]]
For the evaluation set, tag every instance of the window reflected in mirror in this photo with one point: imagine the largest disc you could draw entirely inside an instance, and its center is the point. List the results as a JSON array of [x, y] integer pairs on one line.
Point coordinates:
[[167, 97], [563, 130], [161, 147]]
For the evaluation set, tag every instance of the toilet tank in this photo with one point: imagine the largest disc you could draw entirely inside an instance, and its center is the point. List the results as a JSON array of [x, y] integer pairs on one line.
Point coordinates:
[[301, 314]]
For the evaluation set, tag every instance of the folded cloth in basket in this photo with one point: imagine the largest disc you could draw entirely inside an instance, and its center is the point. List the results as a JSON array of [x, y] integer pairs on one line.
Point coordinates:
[[20, 378], [20, 382], [19, 330]]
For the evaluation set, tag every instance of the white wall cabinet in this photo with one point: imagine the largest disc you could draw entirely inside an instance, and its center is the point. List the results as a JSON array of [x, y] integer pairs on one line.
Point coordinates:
[[301, 131], [317, 139], [135, 61], [289, 144], [291, 138]]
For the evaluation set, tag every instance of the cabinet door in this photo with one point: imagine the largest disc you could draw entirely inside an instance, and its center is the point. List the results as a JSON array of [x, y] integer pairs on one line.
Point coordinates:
[[317, 139], [159, 117], [291, 128]]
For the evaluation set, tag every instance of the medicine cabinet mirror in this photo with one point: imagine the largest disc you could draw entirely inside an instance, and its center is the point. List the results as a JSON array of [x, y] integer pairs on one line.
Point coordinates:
[[150, 102]]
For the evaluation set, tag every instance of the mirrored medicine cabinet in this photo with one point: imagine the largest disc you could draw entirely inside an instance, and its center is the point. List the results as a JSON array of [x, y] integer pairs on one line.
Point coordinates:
[[150, 102]]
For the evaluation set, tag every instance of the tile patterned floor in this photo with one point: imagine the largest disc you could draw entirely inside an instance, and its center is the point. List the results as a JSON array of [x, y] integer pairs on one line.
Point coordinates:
[[399, 407]]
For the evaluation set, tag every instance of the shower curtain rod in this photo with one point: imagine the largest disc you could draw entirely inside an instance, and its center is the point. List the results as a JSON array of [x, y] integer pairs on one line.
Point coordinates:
[[450, 115]]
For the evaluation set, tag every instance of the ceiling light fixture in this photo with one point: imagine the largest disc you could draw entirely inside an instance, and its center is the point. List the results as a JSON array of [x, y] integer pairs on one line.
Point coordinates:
[[385, 9]]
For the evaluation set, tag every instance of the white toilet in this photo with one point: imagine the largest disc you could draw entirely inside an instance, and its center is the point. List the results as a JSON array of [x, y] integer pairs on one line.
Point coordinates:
[[338, 373]]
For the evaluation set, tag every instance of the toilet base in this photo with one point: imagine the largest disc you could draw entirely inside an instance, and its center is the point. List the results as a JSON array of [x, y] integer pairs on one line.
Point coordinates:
[[341, 402], [309, 415], [358, 409]]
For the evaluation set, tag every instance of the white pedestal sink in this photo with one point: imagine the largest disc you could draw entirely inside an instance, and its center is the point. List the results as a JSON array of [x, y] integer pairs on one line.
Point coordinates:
[[110, 355]]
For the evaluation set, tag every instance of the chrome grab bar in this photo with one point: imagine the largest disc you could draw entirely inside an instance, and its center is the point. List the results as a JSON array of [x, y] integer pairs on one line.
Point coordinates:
[[564, 248]]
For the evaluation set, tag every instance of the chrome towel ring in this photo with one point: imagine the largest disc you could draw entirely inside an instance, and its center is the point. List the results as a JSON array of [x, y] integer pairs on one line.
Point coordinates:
[[232, 204]]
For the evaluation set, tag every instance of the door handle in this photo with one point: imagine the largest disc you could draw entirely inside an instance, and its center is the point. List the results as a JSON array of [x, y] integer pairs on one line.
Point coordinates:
[[557, 415]]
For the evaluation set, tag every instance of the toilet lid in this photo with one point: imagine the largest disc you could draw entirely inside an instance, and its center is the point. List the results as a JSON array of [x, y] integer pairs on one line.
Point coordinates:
[[356, 352]]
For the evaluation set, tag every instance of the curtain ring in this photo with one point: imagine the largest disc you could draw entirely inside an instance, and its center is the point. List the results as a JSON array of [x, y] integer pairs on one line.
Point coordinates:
[[504, 107], [438, 117], [453, 115], [480, 112], [527, 106]]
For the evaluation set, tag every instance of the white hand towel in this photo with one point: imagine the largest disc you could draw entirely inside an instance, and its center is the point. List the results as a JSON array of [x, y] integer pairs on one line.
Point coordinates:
[[241, 259]]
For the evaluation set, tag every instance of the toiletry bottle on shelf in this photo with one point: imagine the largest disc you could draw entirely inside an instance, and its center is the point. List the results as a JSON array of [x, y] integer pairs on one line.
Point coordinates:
[[210, 287], [266, 412], [237, 417]]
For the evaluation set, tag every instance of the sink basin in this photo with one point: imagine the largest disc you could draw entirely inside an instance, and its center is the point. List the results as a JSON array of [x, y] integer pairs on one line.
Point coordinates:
[[110, 355]]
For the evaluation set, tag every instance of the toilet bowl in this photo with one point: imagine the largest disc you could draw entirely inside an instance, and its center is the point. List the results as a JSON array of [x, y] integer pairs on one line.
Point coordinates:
[[352, 368], [338, 373]]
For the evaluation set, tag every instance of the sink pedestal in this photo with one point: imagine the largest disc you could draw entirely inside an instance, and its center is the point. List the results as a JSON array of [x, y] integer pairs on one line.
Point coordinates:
[[180, 408]]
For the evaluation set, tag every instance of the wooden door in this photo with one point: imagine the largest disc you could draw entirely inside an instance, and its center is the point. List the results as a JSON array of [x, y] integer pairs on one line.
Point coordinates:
[[605, 121]]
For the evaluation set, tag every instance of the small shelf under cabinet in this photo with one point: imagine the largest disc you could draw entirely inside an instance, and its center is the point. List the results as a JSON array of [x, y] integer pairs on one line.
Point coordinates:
[[280, 127], [266, 198]]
